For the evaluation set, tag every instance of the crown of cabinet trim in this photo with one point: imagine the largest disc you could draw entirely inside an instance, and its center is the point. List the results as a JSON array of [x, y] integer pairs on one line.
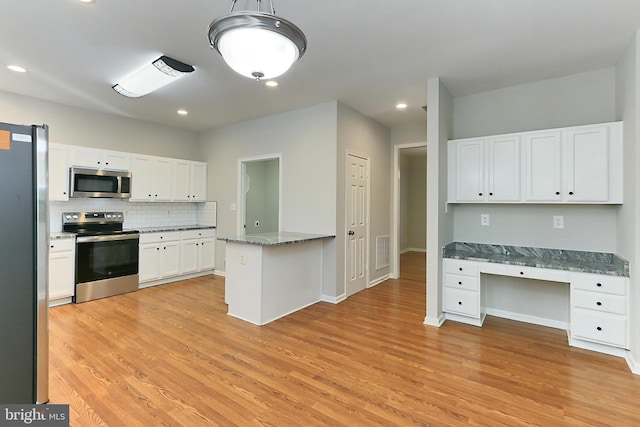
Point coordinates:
[[572, 165]]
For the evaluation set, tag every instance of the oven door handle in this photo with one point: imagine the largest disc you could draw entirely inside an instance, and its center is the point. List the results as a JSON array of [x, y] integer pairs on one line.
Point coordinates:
[[107, 238]]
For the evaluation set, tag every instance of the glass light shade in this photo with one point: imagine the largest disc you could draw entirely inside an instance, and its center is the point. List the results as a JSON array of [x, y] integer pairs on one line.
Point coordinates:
[[256, 52], [151, 77], [257, 45]]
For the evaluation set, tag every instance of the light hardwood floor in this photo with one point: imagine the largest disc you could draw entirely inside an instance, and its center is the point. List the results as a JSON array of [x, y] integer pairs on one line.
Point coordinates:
[[170, 356]]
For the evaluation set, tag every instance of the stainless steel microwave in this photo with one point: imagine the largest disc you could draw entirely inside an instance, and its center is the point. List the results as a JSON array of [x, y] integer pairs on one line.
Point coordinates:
[[99, 183]]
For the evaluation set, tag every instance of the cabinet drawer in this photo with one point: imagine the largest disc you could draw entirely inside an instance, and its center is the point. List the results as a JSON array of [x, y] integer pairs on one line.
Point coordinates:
[[461, 282], [597, 283], [466, 303], [526, 272], [615, 304], [159, 237], [600, 327], [461, 267], [199, 234], [61, 245]]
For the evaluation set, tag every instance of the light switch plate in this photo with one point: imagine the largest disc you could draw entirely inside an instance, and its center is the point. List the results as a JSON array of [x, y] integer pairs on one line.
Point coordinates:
[[484, 219]]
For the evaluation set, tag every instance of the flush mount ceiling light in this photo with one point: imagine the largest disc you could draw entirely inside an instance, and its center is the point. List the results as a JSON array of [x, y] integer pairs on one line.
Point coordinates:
[[257, 44], [401, 106], [17, 68], [160, 72]]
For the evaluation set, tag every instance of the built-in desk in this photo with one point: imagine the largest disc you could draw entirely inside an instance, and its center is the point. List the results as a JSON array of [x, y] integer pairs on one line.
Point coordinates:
[[270, 275], [598, 288]]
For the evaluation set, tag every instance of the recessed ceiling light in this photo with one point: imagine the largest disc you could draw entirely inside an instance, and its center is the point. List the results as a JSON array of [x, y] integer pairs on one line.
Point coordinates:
[[401, 106], [88, 1], [182, 112], [272, 83], [16, 68]]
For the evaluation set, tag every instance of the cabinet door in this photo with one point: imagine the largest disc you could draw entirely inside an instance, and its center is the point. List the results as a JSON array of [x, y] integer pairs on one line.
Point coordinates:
[[587, 164], [114, 160], [542, 164], [170, 265], [469, 173], [61, 275], [207, 254], [58, 173], [503, 154], [149, 262], [142, 178], [198, 180], [162, 180], [189, 256], [181, 177], [87, 157]]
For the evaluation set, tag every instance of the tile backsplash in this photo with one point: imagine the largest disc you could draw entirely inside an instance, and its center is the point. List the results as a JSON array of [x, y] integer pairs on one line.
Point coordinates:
[[138, 214]]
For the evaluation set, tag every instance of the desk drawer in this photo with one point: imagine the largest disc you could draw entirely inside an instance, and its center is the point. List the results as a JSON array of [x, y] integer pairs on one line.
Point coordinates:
[[525, 272], [469, 283], [607, 303], [598, 283], [599, 327], [460, 267], [459, 301]]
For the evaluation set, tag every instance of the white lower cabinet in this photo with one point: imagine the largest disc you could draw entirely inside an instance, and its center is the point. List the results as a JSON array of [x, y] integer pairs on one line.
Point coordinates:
[[159, 256], [61, 270], [461, 291], [169, 256], [600, 309], [197, 251]]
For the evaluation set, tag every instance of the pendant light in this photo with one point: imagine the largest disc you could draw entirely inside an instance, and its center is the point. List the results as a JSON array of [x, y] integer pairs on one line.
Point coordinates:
[[257, 44]]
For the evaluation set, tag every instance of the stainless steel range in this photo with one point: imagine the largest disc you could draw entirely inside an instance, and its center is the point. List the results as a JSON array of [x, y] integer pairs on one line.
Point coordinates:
[[106, 256]]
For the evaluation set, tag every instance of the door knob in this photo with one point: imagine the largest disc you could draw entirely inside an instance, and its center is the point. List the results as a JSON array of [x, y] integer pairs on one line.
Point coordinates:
[[351, 232]]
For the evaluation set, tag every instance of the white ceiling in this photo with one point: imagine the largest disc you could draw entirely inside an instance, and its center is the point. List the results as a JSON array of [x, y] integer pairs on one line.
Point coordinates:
[[367, 54]]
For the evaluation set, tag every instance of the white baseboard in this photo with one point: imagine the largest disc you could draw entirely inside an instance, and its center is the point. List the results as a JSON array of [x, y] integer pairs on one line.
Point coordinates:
[[413, 250], [551, 323], [434, 321], [174, 279], [59, 301], [632, 362], [379, 280], [333, 300], [600, 348], [219, 273]]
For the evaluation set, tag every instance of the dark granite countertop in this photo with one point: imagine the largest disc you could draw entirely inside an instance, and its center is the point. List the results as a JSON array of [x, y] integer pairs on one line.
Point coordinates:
[[61, 235], [275, 239], [557, 259], [166, 228]]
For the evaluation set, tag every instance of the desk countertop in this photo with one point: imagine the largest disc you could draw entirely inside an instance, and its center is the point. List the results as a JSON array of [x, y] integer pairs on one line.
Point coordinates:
[[557, 259]]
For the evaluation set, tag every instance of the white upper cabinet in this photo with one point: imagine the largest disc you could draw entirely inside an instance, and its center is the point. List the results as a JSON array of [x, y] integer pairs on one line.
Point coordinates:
[[469, 170], [151, 179], [503, 171], [58, 172], [485, 169], [542, 158], [181, 180], [100, 159], [198, 182], [587, 164], [581, 164]]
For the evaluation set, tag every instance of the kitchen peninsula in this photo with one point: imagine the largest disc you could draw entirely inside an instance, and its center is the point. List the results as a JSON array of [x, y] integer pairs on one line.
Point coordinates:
[[271, 275]]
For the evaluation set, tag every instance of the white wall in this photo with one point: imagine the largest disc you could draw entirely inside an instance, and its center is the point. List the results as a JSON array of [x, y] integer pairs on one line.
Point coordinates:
[[358, 134], [439, 222], [74, 126], [577, 99], [306, 138], [409, 133], [627, 109]]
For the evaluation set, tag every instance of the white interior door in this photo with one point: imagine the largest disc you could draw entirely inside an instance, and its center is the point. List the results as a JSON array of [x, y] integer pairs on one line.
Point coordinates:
[[356, 224]]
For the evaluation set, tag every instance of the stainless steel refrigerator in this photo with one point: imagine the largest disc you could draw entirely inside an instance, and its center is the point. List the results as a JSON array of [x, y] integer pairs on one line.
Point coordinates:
[[24, 255]]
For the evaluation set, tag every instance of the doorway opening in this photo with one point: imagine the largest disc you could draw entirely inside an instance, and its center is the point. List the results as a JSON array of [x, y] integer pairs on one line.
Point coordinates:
[[409, 212], [259, 190]]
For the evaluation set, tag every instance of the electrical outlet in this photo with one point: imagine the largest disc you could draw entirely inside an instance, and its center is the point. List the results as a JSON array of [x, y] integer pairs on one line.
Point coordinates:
[[233, 207], [558, 221], [484, 219], [243, 260]]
